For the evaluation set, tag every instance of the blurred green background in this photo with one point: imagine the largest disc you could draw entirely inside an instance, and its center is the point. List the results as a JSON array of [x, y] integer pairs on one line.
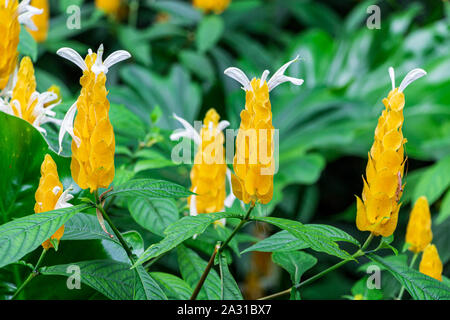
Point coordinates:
[[326, 125]]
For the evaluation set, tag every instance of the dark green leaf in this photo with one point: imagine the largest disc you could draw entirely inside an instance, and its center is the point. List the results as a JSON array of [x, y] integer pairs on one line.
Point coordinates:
[[23, 235], [149, 188], [419, 286], [280, 241], [182, 230], [154, 215], [174, 287], [229, 288], [209, 31], [319, 239], [192, 267], [113, 279]]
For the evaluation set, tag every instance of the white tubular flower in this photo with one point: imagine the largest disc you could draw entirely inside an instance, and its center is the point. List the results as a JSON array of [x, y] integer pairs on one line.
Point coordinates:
[[278, 78], [44, 114], [97, 68], [412, 76], [67, 126], [193, 204], [187, 132], [231, 197], [26, 12], [64, 198]]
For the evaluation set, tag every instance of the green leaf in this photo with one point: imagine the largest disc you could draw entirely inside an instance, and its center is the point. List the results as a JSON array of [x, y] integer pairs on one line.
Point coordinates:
[[113, 279], [444, 211], [192, 267], [419, 286], [209, 31], [27, 44], [294, 262], [23, 235], [321, 239], [434, 181], [135, 241], [132, 40], [154, 215], [84, 226], [198, 63], [280, 241], [385, 243], [174, 287], [229, 288], [23, 150], [182, 230], [149, 188]]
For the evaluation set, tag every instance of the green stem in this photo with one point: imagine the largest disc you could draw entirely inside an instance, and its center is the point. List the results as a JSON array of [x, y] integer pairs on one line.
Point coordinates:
[[237, 228], [218, 249], [33, 274], [115, 230], [357, 254], [411, 265], [133, 15], [205, 273]]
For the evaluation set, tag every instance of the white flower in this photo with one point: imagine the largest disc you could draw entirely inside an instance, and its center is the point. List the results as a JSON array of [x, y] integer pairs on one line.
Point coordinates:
[[64, 198], [41, 113], [99, 66], [26, 12], [412, 76], [278, 78], [190, 133]]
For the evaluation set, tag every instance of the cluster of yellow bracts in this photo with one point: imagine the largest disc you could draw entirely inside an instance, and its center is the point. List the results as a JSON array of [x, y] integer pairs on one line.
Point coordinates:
[[93, 142]]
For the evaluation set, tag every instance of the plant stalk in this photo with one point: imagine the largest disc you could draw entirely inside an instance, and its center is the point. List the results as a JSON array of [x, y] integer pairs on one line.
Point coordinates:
[[357, 254], [205, 273], [411, 265], [238, 227], [116, 231], [33, 274], [218, 249]]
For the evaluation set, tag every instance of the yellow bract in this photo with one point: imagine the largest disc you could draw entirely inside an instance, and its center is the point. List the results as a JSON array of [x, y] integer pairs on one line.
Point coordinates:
[[208, 175], [109, 6], [217, 6], [418, 232], [377, 211], [253, 162], [48, 193], [10, 30], [41, 20], [93, 160], [431, 264], [25, 86]]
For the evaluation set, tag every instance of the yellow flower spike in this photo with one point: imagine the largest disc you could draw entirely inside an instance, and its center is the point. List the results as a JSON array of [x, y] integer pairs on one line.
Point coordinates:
[[93, 141], [50, 196], [110, 7], [12, 14], [418, 232], [254, 163], [209, 172], [378, 209], [216, 6], [431, 264], [26, 102], [41, 21]]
